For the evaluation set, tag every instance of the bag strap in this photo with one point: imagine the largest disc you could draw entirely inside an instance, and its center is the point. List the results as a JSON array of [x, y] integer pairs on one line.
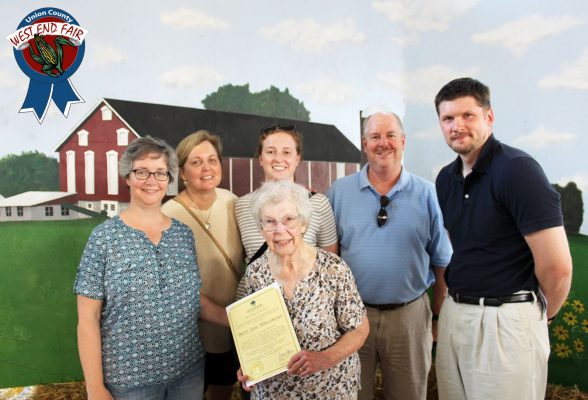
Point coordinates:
[[263, 247], [258, 253], [180, 201]]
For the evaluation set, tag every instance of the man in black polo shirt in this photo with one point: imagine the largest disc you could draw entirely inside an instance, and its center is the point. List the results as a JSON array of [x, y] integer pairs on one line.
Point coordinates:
[[511, 265]]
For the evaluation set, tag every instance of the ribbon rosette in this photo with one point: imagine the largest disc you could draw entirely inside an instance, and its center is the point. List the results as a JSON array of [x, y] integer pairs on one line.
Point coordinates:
[[52, 82]]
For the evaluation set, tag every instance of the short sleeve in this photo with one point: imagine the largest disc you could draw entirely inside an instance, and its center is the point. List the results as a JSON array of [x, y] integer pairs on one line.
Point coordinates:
[[257, 276], [90, 276], [349, 308], [327, 232], [528, 196], [439, 247]]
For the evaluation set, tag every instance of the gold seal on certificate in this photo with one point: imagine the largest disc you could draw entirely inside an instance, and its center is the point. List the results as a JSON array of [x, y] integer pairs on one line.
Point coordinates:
[[263, 333]]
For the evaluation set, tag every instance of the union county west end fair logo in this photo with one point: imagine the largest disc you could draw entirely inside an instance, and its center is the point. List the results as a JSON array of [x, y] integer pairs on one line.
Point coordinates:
[[49, 47]]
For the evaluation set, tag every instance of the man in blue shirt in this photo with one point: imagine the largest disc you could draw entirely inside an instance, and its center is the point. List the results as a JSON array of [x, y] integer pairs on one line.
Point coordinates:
[[392, 237], [511, 266]]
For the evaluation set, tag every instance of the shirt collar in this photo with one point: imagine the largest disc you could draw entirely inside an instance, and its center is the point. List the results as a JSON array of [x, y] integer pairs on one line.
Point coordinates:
[[488, 150], [483, 161], [364, 182]]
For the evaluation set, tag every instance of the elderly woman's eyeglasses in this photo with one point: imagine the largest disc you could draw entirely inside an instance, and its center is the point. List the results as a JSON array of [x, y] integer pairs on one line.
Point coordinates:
[[143, 174], [383, 214], [270, 224], [276, 128]]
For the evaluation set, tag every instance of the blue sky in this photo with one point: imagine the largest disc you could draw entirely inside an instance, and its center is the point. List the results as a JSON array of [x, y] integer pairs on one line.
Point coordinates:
[[339, 57]]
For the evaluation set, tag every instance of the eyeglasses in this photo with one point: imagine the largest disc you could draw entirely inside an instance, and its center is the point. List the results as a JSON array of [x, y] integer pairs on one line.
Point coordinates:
[[276, 128], [270, 224], [143, 174], [383, 214]]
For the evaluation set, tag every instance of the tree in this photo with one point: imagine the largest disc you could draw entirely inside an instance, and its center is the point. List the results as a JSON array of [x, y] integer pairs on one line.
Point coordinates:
[[271, 102], [572, 206], [31, 170]]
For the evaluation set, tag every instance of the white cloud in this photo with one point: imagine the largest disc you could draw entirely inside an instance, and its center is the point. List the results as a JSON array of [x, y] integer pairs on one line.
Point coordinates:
[[407, 39], [328, 90], [105, 55], [191, 77], [8, 81], [517, 35], [187, 18], [432, 132], [423, 15], [437, 168], [7, 53], [393, 79], [311, 36], [542, 137], [573, 76], [422, 85], [580, 180], [52, 111], [378, 108]]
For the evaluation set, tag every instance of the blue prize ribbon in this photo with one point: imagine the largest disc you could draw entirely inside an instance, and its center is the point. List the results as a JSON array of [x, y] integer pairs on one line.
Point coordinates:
[[39, 94], [44, 88], [64, 95]]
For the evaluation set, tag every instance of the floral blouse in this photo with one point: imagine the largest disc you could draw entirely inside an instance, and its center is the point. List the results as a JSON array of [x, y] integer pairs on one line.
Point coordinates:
[[325, 305], [151, 302]]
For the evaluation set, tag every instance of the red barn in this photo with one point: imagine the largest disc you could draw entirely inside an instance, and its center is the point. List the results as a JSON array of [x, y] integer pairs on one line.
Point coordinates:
[[89, 154]]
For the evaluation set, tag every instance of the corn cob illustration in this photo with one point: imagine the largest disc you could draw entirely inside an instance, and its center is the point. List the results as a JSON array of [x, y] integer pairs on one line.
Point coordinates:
[[48, 57]]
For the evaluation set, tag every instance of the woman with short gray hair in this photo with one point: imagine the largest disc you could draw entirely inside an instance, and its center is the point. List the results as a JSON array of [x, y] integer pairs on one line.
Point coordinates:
[[138, 292], [327, 313]]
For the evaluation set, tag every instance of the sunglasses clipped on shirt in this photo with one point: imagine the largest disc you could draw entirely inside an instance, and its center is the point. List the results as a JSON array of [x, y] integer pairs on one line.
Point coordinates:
[[382, 216]]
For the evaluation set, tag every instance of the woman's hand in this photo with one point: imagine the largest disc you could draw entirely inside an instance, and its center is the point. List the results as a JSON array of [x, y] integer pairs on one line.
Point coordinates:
[[212, 312], [306, 363], [99, 393], [243, 379]]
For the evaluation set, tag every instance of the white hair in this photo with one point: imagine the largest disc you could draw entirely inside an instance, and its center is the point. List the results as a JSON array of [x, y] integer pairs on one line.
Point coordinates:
[[275, 192]]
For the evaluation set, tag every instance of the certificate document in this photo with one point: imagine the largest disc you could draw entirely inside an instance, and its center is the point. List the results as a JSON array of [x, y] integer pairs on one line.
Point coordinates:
[[263, 333]]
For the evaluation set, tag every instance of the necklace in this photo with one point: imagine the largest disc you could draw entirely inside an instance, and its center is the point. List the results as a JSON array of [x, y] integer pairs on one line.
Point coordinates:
[[205, 218]]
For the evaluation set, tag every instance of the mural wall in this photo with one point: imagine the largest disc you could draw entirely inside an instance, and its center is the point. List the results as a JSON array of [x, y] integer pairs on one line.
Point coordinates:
[[338, 58]]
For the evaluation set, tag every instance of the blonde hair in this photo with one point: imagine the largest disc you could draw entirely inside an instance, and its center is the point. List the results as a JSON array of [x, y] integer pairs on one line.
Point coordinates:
[[189, 142]]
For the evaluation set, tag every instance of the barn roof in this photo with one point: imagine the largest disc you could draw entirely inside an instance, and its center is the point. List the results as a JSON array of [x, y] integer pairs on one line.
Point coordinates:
[[33, 198], [239, 132]]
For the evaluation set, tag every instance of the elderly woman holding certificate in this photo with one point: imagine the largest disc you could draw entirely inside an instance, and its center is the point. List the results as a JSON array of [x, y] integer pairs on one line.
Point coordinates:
[[318, 288]]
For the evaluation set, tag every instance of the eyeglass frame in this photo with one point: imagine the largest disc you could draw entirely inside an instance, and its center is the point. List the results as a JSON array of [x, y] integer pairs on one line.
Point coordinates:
[[167, 174], [277, 222], [382, 216]]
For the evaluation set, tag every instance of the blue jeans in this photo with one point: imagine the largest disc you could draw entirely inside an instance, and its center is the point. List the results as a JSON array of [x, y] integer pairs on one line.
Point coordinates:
[[187, 387]]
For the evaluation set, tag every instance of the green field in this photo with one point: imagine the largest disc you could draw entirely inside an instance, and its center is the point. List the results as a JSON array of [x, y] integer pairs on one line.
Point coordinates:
[[38, 262], [37, 307]]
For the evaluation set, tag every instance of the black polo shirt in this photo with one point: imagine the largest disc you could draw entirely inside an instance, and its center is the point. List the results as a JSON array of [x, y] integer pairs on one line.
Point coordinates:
[[487, 215]]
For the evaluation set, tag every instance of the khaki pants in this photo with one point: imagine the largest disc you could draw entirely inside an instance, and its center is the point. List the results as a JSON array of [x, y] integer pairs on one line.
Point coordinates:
[[400, 341], [492, 352]]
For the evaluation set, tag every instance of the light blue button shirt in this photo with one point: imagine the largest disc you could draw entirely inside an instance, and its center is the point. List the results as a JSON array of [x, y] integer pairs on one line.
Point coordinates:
[[393, 263]]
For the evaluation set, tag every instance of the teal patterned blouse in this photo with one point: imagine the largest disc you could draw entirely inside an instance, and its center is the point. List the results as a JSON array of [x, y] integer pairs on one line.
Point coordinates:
[[151, 296]]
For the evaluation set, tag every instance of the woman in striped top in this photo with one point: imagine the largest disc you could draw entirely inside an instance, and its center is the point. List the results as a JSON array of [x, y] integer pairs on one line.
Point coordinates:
[[279, 151]]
